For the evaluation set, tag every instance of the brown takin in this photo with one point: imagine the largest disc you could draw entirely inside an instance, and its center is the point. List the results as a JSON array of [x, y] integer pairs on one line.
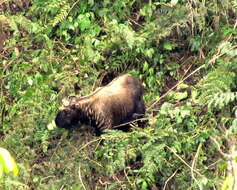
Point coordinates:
[[108, 107]]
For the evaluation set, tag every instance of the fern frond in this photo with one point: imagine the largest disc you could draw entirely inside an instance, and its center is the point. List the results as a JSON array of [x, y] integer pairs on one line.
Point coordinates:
[[218, 86], [19, 21], [62, 14], [221, 100], [57, 3]]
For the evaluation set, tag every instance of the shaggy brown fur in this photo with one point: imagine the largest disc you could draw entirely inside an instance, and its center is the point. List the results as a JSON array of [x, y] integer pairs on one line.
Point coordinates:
[[118, 102]]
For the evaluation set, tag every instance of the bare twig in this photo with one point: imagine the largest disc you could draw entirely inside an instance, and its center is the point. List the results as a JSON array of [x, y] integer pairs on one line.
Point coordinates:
[[219, 148], [103, 183], [61, 188], [215, 57], [135, 22], [194, 163], [87, 144], [214, 163], [126, 175], [179, 157], [98, 164], [74, 4], [187, 71], [79, 173], [130, 122], [166, 182], [51, 176], [180, 82]]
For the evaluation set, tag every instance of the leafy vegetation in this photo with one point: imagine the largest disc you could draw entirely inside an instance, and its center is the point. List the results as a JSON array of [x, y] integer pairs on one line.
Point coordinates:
[[184, 51]]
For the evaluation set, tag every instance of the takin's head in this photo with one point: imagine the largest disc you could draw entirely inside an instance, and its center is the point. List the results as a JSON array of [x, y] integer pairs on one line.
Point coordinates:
[[68, 115], [66, 118]]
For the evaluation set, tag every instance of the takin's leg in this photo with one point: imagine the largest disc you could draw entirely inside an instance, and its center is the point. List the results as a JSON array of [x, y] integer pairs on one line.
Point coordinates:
[[140, 113]]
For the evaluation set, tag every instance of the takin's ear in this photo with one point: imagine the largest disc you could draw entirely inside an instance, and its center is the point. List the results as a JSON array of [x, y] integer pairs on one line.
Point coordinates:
[[65, 102], [69, 100]]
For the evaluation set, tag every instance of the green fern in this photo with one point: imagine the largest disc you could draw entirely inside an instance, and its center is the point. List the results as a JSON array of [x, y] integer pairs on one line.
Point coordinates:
[[221, 100], [57, 4], [220, 80], [218, 86], [63, 12]]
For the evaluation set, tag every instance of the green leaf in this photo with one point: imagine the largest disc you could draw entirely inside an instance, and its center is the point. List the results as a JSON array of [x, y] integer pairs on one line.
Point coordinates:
[[183, 86], [168, 46], [144, 185], [184, 113], [7, 162], [165, 108], [84, 21], [194, 94], [180, 95], [1, 170], [91, 2], [149, 52], [145, 66]]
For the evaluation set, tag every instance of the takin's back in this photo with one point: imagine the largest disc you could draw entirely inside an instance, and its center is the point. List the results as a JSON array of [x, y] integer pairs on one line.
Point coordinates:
[[120, 100], [125, 85]]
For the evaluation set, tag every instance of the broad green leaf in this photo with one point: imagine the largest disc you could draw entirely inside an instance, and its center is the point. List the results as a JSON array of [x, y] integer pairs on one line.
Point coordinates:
[[194, 94], [180, 95], [183, 86], [84, 21], [168, 46], [1, 170], [7, 162], [149, 52], [145, 66]]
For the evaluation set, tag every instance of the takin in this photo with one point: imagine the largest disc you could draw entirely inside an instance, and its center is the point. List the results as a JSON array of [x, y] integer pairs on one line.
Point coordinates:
[[108, 107]]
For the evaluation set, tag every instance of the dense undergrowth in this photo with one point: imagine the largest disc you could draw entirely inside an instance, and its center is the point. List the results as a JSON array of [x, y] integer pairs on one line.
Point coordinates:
[[184, 51]]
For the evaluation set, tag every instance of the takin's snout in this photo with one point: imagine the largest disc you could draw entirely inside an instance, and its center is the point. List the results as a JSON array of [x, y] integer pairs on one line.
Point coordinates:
[[66, 118]]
